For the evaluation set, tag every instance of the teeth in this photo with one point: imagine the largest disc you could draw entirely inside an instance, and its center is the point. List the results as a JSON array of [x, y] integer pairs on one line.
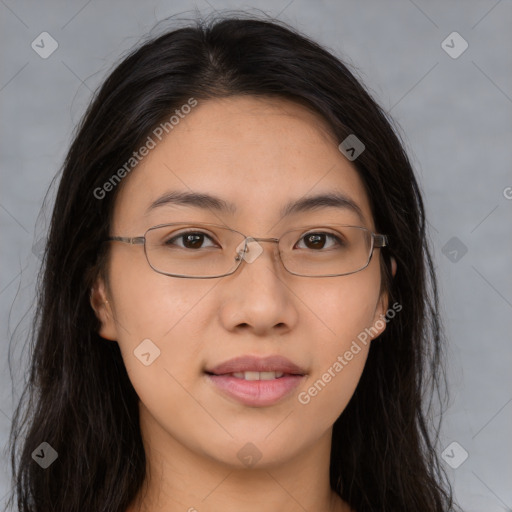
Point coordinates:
[[258, 375]]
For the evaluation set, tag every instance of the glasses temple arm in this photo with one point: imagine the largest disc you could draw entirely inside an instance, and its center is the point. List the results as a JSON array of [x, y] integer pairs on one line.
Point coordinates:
[[380, 240], [136, 240]]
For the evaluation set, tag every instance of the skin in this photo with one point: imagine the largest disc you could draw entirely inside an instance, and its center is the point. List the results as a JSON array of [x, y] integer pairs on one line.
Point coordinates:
[[259, 154]]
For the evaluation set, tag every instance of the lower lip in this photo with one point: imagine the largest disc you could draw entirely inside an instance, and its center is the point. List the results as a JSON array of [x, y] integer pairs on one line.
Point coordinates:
[[256, 393]]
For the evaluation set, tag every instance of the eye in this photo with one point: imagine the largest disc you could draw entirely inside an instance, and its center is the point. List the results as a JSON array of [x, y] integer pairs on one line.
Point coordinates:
[[191, 240], [317, 240]]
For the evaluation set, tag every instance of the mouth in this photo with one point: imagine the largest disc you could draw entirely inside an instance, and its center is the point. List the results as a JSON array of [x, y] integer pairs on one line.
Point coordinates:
[[257, 368], [256, 382], [250, 375]]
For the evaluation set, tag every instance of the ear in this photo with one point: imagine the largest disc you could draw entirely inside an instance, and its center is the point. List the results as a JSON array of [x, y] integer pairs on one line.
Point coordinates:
[[379, 319], [103, 310], [393, 266]]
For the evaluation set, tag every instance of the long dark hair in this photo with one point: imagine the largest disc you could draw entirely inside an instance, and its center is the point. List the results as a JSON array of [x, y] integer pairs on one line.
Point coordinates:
[[78, 397]]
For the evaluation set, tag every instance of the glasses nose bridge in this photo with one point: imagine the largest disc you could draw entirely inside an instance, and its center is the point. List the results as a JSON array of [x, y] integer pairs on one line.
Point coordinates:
[[263, 239], [259, 239], [249, 239]]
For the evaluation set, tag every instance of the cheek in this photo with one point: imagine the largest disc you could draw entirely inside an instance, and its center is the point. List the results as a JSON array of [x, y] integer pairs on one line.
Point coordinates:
[[147, 303], [329, 389], [346, 314], [343, 308], [339, 364], [155, 315]]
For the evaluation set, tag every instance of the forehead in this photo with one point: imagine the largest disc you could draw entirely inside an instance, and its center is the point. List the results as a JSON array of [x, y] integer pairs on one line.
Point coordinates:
[[256, 154]]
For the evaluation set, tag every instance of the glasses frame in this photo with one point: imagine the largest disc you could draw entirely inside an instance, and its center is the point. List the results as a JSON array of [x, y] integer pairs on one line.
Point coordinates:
[[378, 241]]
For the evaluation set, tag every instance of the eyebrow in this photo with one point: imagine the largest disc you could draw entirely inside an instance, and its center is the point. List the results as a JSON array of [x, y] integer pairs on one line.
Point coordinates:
[[304, 204]]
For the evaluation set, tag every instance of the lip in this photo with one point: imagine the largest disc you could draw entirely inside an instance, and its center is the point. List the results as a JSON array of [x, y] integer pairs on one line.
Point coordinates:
[[256, 393], [273, 363]]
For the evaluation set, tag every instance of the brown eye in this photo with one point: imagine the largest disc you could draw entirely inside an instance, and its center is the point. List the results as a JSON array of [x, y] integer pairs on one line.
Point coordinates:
[[318, 240], [191, 240]]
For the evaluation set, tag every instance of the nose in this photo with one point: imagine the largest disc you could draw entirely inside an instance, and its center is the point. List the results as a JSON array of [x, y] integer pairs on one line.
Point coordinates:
[[256, 295]]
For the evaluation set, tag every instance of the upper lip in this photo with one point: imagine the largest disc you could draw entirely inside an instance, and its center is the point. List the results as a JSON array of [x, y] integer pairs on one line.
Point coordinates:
[[273, 363]]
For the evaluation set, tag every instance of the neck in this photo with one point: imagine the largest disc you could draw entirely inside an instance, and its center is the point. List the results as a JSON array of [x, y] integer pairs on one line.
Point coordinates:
[[182, 479]]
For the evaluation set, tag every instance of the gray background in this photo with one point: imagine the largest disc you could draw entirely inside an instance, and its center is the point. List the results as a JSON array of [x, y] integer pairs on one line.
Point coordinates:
[[455, 115]]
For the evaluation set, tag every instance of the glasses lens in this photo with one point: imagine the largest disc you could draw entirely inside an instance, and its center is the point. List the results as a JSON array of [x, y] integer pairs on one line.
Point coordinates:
[[325, 251], [192, 250], [206, 250]]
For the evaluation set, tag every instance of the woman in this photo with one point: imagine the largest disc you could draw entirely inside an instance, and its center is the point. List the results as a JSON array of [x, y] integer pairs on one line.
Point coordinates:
[[238, 308]]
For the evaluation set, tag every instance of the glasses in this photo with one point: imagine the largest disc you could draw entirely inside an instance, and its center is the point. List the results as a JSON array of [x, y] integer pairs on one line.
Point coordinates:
[[204, 251]]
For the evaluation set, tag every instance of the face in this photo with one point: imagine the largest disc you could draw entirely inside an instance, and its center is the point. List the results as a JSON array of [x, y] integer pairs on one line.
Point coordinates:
[[258, 154]]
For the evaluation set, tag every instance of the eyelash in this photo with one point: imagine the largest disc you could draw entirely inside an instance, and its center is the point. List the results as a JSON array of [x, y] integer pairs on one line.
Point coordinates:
[[182, 235]]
